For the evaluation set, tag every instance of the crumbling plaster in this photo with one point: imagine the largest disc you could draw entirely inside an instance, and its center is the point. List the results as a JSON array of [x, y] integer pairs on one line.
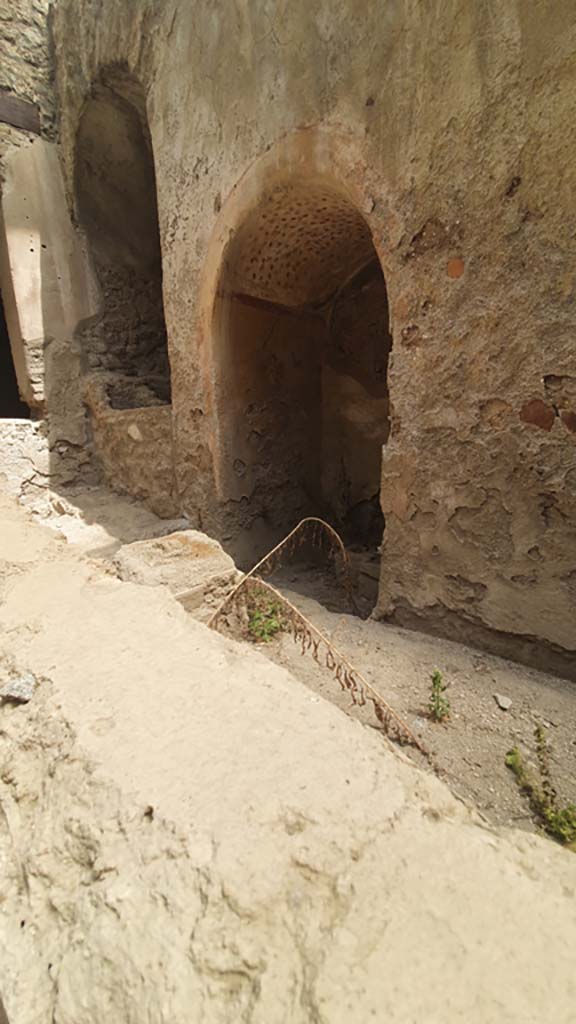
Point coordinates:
[[454, 125]]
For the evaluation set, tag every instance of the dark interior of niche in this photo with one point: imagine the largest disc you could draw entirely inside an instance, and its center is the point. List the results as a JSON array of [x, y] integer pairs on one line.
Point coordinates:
[[303, 324], [116, 202], [137, 393], [11, 405]]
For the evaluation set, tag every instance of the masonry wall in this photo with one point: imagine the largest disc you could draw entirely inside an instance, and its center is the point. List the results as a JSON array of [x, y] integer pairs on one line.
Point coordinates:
[[457, 123], [26, 66]]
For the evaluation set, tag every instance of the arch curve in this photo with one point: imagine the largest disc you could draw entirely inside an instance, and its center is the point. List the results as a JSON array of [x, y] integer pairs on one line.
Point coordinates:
[[297, 327]]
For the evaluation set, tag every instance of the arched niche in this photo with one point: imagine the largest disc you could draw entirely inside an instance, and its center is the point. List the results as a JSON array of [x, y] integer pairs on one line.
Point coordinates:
[[298, 357], [115, 192]]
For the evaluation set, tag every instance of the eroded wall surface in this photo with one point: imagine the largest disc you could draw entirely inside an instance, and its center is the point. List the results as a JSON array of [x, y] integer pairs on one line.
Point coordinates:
[[27, 97], [135, 448], [458, 122], [26, 58]]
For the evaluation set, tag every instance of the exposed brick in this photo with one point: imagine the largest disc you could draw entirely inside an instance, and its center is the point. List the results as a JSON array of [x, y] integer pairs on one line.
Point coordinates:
[[569, 420], [455, 268], [538, 414]]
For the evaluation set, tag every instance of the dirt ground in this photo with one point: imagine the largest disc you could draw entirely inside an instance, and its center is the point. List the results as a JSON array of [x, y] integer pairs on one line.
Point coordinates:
[[468, 751], [190, 833]]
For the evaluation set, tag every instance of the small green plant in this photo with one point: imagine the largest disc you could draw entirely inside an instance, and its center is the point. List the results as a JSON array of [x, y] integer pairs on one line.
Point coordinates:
[[558, 822], [264, 619], [438, 705]]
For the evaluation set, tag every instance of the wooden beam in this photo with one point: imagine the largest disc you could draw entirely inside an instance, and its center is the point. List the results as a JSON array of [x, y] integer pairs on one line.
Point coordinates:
[[19, 113]]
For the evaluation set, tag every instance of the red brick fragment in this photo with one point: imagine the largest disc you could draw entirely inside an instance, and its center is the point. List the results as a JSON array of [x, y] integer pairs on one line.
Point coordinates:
[[569, 420], [455, 268], [538, 414]]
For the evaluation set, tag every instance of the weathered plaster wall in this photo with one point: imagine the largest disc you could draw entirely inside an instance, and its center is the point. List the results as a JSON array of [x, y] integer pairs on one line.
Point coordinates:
[[53, 301], [459, 122], [25, 77], [48, 286]]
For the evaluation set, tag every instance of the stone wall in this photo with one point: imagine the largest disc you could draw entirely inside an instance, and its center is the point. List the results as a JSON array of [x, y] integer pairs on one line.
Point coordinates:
[[64, 320], [133, 446], [26, 66], [451, 127]]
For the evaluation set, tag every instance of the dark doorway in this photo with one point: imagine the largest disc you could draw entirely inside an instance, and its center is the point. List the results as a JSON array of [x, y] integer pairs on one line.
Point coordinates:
[[11, 405]]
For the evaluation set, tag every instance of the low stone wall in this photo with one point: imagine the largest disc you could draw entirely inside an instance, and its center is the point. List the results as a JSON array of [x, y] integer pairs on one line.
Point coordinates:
[[188, 835], [134, 448]]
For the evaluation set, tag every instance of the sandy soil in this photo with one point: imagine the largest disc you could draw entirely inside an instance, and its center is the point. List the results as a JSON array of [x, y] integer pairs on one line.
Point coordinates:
[[189, 833], [468, 751]]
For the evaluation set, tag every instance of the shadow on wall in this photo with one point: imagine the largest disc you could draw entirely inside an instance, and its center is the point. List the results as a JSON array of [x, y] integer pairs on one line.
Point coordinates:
[[301, 345], [11, 405], [124, 351], [45, 292], [50, 298], [116, 204]]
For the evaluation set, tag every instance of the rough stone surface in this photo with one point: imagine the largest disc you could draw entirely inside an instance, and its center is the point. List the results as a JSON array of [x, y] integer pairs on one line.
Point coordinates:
[[188, 562], [186, 834], [20, 689], [477, 474], [26, 67], [134, 447], [24, 458]]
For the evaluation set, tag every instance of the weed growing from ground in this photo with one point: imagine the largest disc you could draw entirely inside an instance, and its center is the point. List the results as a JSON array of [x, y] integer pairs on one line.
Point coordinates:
[[438, 705], [265, 619], [558, 822], [248, 594]]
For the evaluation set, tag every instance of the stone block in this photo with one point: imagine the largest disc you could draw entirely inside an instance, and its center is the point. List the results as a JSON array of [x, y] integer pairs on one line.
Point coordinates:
[[192, 565]]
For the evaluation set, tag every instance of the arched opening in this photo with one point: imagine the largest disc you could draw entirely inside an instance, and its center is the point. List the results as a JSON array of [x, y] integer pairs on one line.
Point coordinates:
[[116, 203], [11, 405], [301, 346]]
